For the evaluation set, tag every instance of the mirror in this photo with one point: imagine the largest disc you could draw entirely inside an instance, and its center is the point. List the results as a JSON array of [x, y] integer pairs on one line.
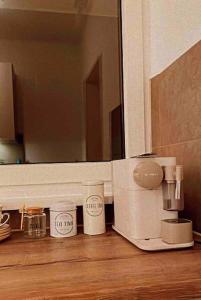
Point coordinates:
[[60, 81]]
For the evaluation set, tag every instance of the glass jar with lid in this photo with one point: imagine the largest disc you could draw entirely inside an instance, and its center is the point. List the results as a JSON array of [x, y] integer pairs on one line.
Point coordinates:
[[34, 221]]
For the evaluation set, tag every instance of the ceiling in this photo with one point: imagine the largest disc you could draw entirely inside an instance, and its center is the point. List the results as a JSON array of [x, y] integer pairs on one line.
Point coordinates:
[[50, 19], [89, 7], [65, 6], [35, 25]]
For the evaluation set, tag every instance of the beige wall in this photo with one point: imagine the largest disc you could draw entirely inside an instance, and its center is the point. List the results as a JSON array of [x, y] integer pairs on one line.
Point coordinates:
[[100, 39], [48, 97]]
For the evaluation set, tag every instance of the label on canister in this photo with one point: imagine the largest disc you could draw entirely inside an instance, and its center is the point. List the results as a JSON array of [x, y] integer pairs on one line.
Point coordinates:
[[94, 215], [94, 205], [64, 223]]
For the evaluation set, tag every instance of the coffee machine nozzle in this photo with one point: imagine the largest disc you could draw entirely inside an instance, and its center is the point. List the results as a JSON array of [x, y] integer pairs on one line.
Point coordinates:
[[172, 187]]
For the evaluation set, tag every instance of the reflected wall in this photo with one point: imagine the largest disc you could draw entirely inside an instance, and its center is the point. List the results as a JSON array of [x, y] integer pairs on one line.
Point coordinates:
[[62, 109]]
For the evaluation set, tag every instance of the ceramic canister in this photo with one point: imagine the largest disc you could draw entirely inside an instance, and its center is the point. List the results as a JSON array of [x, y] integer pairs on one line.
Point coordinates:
[[93, 207], [63, 221]]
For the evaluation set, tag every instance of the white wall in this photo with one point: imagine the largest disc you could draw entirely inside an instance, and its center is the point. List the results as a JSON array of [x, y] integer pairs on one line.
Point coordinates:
[[174, 27]]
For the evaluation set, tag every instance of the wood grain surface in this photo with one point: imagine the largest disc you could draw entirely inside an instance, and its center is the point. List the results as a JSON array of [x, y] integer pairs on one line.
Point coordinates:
[[95, 267]]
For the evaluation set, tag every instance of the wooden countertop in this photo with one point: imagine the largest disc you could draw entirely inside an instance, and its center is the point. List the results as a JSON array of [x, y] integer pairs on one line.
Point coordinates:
[[95, 267]]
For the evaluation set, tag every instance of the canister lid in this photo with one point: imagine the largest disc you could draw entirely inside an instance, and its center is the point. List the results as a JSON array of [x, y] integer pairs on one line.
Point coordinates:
[[93, 182], [34, 210], [63, 206]]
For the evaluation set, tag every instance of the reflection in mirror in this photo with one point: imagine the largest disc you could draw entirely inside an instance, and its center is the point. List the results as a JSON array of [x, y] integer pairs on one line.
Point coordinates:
[[60, 81]]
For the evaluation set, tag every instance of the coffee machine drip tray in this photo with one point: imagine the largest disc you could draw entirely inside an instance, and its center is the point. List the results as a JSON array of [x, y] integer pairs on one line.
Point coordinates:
[[155, 244]]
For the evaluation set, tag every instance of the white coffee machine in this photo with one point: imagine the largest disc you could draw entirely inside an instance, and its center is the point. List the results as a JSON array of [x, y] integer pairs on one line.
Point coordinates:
[[147, 197]]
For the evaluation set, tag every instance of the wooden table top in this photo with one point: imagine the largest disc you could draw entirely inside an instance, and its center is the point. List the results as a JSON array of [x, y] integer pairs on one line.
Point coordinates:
[[95, 267]]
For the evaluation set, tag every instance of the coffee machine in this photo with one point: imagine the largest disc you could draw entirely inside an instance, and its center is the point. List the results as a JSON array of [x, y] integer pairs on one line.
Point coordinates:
[[148, 194]]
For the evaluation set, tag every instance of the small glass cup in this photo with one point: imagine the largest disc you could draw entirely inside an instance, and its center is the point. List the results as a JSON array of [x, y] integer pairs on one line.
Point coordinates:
[[34, 221]]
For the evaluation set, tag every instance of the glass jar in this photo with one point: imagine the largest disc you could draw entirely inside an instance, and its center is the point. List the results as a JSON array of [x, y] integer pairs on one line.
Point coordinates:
[[34, 223]]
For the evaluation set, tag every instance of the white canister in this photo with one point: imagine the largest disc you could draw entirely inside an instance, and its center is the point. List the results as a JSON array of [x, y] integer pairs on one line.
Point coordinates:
[[63, 220], [93, 207]]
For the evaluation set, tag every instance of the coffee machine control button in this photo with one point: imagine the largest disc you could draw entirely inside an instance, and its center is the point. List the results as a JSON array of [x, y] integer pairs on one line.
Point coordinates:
[[148, 175]]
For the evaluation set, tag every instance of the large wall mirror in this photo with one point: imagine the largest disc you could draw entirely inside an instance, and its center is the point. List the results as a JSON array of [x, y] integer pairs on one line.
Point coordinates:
[[60, 81]]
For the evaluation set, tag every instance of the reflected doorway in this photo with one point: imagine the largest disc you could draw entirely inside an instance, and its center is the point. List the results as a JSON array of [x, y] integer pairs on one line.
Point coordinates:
[[93, 88]]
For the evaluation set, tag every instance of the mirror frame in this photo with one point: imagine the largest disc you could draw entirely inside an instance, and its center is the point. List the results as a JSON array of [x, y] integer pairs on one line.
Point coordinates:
[[44, 184]]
